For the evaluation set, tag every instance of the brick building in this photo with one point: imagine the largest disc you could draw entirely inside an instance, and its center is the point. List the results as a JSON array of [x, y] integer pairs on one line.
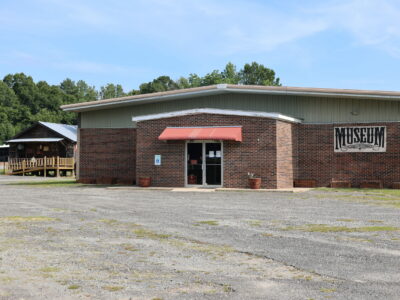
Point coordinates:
[[216, 135]]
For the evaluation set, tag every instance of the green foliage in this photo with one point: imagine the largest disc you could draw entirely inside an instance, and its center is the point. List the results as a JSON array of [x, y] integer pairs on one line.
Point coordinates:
[[23, 102]]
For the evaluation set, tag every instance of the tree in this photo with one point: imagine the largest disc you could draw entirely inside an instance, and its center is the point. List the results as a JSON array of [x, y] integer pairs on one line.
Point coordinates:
[[111, 91], [22, 101], [160, 84], [24, 88], [86, 92], [230, 75], [256, 74]]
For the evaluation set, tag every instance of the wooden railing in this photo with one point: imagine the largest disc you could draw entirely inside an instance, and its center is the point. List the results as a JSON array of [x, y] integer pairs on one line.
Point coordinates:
[[25, 165]]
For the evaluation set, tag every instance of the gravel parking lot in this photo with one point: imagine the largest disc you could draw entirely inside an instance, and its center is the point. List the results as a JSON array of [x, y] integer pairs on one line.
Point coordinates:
[[63, 241]]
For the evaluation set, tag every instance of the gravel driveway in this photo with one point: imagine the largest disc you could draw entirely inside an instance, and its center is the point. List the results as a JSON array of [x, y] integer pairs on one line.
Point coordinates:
[[79, 242]]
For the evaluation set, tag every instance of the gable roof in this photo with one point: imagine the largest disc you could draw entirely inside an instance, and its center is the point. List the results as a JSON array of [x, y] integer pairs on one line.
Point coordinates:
[[67, 131], [230, 88]]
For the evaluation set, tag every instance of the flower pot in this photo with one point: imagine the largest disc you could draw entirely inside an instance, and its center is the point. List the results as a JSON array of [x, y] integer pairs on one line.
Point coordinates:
[[192, 179], [255, 183], [144, 181]]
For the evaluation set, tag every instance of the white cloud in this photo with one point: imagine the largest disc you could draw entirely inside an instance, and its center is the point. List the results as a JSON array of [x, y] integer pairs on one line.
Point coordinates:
[[373, 23]]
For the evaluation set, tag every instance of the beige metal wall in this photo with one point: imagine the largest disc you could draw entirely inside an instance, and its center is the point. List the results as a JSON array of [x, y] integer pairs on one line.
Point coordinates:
[[310, 109]]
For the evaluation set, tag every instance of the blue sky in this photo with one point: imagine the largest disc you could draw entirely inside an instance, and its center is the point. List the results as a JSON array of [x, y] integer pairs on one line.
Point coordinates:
[[331, 43]]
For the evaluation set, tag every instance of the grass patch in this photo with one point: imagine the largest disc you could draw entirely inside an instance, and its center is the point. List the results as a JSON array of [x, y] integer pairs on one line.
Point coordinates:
[[49, 183], [254, 223], [128, 247], [324, 290], [381, 197], [112, 288], [108, 221], [19, 219], [327, 228], [146, 233], [210, 222], [267, 234], [375, 221], [74, 287], [345, 220], [49, 270]]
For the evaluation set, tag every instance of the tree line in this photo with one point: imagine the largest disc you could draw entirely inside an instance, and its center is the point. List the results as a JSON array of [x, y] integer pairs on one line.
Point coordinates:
[[24, 101]]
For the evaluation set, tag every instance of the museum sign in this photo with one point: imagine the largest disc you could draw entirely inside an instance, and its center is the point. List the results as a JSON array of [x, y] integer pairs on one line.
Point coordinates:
[[360, 139]]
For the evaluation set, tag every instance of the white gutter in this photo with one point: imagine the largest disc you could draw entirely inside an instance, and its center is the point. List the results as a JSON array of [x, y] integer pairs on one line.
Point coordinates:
[[276, 116]]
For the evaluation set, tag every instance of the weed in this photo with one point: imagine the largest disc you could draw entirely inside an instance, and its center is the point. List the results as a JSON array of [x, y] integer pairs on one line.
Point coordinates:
[[74, 287], [324, 290], [49, 269], [327, 228], [146, 233], [267, 234], [254, 223], [210, 222], [128, 247], [108, 221], [19, 219], [112, 288], [49, 183]]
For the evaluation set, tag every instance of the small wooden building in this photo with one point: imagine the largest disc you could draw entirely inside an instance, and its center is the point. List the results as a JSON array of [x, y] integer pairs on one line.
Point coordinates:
[[43, 147]]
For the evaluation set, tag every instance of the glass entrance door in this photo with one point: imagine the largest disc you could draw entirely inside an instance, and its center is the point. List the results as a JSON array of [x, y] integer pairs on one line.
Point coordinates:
[[213, 163], [204, 163], [194, 163]]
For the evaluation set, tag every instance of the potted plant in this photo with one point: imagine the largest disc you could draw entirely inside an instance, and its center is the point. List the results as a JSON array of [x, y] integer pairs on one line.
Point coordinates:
[[254, 181], [144, 181], [192, 179]]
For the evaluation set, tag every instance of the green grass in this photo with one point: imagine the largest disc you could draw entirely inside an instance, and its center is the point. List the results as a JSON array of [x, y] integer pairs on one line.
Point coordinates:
[[19, 219], [380, 197], [48, 183], [146, 233], [210, 222], [74, 287], [49, 269], [327, 228], [112, 288], [254, 223], [324, 290]]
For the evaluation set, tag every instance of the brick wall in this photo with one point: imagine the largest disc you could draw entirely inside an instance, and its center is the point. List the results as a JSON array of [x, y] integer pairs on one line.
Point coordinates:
[[256, 154], [317, 159], [284, 154], [107, 155]]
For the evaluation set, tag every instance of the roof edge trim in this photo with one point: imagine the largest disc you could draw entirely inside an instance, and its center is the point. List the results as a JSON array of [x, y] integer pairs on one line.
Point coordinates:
[[215, 111]]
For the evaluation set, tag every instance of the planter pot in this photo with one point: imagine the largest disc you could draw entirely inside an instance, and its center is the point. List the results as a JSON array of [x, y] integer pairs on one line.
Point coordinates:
[[192, 179], [144, 181], [255, 183]]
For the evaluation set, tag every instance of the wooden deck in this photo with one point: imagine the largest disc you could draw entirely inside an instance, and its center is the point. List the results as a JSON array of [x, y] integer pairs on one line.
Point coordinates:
[[18, 166]]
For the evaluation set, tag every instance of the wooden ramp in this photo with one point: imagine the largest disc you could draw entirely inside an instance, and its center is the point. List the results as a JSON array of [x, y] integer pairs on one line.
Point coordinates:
[[18, 166]]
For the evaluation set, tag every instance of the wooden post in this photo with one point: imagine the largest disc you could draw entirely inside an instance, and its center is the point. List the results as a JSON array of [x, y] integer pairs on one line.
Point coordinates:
[[23, 167], [73, 167], [44, 166], [58, 167]]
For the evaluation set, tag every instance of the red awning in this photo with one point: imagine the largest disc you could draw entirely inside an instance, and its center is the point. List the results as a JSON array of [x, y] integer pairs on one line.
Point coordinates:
[[233, 133]]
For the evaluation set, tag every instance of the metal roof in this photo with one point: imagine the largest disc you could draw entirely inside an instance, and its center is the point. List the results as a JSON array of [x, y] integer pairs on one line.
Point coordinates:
[[35, 140], [231, 88], [69, 131]]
